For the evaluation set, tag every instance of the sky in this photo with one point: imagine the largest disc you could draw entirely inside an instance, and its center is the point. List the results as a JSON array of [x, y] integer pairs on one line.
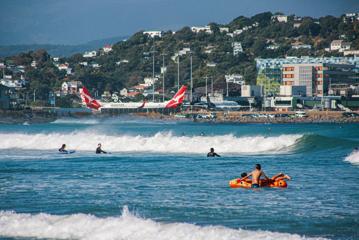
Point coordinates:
[[80, 21]]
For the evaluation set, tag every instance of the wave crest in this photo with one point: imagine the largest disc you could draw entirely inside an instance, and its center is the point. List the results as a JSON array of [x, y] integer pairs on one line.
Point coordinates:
[[160, 142], [127, 226]]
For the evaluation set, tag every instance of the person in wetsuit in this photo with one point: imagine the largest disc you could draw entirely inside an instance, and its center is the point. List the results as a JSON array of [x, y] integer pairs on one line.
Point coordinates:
[[99, 150], [256, 175], [212, 153], [62, 149]]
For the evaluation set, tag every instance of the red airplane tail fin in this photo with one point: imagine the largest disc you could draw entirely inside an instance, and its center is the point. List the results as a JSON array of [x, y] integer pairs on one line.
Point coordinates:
[[177, 98], [88, 100]]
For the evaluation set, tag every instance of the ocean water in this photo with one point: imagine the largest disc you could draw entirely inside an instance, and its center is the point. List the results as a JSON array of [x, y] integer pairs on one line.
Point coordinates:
[[157, 183]]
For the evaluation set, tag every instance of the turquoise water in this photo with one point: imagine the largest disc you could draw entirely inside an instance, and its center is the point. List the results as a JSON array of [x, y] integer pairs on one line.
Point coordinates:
[[158, 184]]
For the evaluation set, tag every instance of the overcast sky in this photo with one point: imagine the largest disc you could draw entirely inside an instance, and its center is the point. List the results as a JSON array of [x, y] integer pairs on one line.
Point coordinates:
[[79, 21]]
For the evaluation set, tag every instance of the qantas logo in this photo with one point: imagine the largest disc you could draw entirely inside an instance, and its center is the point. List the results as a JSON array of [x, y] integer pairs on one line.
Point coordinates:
[[94, 104]]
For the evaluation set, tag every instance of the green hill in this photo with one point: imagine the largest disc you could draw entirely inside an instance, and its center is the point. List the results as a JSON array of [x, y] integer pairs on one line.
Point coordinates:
[[212, 53]]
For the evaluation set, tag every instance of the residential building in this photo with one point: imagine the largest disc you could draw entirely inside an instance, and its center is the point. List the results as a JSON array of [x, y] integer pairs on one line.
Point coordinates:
[[237, 32], [224, 29], [63, 66], [251, 91], [280, 18], [71, 87], [107, 48], [351, 17], [237, 48], [153, 34], [90, 54], [84, 64], [206, 29], [318, 78], [235, 78], [339, 45]]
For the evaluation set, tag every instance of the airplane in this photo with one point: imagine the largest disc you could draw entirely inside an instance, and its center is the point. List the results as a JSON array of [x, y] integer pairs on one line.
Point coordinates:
[[96, 105]]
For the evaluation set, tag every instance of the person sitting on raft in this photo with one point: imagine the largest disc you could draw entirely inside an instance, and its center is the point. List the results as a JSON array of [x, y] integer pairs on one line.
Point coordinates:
[[99, 150], [279, 176], [212, 153], [256, 175], [62, 149]]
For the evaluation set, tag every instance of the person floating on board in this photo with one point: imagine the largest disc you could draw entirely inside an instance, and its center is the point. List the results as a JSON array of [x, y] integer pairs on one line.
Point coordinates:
[[99, 150], [256, 175], [212, 153], [62, 149], [279, 176]]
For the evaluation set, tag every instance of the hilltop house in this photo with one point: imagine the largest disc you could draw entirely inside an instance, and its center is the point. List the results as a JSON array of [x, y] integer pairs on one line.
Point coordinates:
[[107, 48], [153, 34], [206, 29], [90, 54], [280, 18]]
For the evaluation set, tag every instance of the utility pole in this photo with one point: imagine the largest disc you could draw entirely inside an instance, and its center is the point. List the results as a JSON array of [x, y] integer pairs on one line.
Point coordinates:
[[178, 72], [212, 86], [191, 96], [153, 74], [163, 72], [227, 88], [206, 86]]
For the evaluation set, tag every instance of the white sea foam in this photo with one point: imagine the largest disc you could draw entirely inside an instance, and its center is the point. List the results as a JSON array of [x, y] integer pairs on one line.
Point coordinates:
[[125, 227], [160, 142], [76, 121], [353, 158]]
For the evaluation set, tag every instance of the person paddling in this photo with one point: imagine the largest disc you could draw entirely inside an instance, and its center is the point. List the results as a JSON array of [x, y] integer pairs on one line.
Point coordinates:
[[212, 153], [99, 149], [62, 149]]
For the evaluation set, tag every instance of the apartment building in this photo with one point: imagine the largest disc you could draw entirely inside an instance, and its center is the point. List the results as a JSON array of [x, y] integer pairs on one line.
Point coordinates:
[[318, 78]]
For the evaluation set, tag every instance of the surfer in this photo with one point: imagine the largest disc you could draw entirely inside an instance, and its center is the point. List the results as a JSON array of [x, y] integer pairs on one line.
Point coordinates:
[[99, 150], [212, 153], [62, 149], [256, 175]]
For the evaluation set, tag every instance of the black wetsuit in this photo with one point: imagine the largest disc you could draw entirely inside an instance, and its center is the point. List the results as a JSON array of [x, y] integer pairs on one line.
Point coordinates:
[[99, 150], [62, 150], [212, 154]]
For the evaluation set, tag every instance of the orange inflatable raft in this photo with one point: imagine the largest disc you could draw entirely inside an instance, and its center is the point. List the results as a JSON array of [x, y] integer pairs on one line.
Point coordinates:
[[238, 183]]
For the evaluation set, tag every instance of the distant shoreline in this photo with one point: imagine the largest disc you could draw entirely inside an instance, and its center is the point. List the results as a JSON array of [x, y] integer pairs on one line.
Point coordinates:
[[48, 115]]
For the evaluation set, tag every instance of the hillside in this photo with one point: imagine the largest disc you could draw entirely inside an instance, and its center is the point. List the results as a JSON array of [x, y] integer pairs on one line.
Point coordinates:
[[213, 54], [56, 49]]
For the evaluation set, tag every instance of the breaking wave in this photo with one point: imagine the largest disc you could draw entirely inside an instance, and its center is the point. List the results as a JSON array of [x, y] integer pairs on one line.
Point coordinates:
[[125, 227], [160, 142], [353, 158]]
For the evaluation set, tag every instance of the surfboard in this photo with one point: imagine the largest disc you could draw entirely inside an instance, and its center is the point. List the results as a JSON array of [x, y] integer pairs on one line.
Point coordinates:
[[68, 152]]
